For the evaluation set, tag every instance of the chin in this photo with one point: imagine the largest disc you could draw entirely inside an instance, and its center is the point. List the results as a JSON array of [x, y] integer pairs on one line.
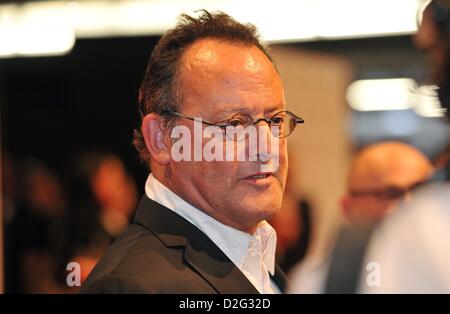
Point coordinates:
[[262, 210]]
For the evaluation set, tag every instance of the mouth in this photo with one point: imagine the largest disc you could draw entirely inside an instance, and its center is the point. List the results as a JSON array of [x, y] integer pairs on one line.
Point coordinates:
[[260, 178]]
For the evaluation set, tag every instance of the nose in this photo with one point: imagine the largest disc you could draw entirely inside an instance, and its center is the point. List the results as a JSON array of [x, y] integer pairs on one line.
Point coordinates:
[[266, 143]]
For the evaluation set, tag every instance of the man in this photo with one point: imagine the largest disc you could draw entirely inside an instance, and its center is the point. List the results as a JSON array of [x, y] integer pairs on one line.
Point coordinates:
[[412, 247], [409, 251], [201, 227], [381, 175]]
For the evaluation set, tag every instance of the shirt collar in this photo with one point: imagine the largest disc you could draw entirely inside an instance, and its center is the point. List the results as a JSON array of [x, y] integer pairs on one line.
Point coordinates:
[[234, 243]]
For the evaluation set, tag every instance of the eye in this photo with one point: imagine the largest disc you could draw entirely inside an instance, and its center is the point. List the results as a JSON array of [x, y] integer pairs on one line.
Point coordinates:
[[277, 120], [235, 122], [238, 120]]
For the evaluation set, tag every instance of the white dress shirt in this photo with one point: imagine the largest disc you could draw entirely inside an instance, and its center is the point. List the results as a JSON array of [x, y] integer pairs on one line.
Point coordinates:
[[254, 255]]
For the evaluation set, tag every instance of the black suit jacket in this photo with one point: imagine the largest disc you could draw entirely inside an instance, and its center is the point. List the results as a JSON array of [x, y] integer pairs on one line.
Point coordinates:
[[161, 252]]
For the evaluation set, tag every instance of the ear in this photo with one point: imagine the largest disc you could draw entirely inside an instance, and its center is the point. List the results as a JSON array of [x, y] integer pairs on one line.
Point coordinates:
[[154, 136]]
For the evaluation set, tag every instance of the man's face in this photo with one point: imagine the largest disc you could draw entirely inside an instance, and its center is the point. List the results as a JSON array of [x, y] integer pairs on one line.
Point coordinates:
[[219, 79], [373, 203], [374, 188]]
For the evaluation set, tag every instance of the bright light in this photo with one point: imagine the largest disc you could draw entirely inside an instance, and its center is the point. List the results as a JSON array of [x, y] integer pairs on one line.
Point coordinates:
[[49, 27], [35, 29], [307, 20], [393, 94], [381, 94], [422, 5], [102, 18], [277, 21], [7, 30], [427, 104]]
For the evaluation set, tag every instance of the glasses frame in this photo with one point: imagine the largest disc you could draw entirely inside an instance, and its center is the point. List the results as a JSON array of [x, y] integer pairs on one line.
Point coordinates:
[[224, 125], [388, 193]]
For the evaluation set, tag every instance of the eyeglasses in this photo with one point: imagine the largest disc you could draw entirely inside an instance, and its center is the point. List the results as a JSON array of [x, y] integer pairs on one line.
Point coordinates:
[[389, 193], [281, 124]]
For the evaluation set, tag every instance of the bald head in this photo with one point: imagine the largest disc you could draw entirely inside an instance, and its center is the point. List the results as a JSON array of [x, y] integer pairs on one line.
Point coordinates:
[[380, 172], [388, 163]]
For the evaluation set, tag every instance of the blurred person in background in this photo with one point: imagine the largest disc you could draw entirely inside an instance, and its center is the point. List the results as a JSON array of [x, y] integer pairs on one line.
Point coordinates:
[[9, 186], [380, 176], [104, 197], [432, 39], [412, 247], [409, 251], [9, 204], [37, 231]]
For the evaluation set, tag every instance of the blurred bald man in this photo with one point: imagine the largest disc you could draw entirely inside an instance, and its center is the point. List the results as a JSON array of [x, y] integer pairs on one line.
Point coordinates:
[[381, 175]]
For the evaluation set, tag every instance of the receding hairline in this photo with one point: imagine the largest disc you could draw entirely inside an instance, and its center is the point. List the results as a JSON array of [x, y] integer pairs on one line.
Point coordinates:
[[193, 48], [188, 61]]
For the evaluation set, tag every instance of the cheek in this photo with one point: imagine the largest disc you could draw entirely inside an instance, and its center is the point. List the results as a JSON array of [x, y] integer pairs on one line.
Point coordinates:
[[214, 176], [362, 205], [371, 207], [283, 164]]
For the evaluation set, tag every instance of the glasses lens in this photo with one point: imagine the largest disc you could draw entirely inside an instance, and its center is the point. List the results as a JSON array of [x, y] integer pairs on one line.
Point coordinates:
[[237, 127], [393, 193], [283, 124]]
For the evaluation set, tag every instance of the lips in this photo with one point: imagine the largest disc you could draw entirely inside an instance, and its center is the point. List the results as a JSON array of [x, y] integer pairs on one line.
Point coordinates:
[[259, 180], [259, 175]]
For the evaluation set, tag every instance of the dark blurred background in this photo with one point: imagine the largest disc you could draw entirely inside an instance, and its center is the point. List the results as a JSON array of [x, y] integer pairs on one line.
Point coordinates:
[[54, 107], [55, 111]]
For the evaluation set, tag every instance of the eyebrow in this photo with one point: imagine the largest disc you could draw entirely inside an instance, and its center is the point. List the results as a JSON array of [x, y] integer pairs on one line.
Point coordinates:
[[273, 109]]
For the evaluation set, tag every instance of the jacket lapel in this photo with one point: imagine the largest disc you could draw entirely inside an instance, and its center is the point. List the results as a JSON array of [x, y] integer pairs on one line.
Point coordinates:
[[168, 226], [199, 251], [280, 278], [214, 266]]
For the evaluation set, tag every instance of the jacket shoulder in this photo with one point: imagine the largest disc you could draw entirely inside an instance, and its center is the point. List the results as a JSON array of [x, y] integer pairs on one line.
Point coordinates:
[[139, 262]]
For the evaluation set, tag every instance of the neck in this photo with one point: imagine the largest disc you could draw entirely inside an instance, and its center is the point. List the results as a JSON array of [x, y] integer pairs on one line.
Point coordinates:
[[194, 198]]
